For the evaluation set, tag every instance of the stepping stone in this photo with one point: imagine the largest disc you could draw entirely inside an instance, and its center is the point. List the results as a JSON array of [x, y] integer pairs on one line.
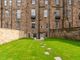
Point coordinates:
[[41, 43], [57, 58], [43, 46], [48, 48], [41, 38], [46, 53], [35, 39], [33, 57]]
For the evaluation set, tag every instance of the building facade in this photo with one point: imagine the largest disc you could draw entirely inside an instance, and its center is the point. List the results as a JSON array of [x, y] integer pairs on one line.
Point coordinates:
[[39, 18]]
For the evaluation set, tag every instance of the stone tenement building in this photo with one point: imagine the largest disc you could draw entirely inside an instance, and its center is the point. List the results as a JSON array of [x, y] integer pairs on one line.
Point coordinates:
[[39, 17]]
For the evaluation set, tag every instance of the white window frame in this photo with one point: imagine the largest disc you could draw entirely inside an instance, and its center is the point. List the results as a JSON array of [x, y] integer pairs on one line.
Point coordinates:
[[46, 1], [56, 2], [5, 2], [10, 2], [57, 13], [18, 2], [33, 12], [18, 14], [69, 2], [33, 1], [45, 13], [7, 12]]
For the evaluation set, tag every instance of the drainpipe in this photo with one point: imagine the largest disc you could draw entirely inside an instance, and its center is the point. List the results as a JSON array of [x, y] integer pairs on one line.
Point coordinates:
[[1, 11], [38, 19], [48, 18], [63, 15], [11, 14]]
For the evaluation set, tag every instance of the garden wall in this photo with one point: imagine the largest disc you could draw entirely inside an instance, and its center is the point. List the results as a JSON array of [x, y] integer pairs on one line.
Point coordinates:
[[7, 35], [75, 35]]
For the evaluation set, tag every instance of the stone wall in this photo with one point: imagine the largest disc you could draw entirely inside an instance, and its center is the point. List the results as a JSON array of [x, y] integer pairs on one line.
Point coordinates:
[[74, 35], [7, 35]]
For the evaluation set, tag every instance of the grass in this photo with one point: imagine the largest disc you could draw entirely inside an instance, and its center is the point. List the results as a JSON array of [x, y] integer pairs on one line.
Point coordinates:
[[29, 49]]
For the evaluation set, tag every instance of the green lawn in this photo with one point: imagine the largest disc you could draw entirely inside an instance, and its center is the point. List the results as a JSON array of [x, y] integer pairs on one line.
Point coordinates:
[[29, 49]]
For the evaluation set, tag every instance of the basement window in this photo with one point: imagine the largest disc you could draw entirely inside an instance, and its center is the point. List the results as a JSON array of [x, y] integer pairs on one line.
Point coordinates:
[[18, 25], [34, 35]]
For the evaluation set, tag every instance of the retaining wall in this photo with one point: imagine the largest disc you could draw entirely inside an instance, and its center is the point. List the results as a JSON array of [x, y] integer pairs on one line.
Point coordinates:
[[75, 35], [7, 35]]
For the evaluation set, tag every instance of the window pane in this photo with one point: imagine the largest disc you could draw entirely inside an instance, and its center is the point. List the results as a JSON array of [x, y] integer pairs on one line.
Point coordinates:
[[7, 13], [33, 25], [0, 2], [56, 13], [46, 1], [33, 12], [56, 2], [18, 2], [45, 13], [70, 2], [18, 14], [33, 2], [5, 2], [10, 2]]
